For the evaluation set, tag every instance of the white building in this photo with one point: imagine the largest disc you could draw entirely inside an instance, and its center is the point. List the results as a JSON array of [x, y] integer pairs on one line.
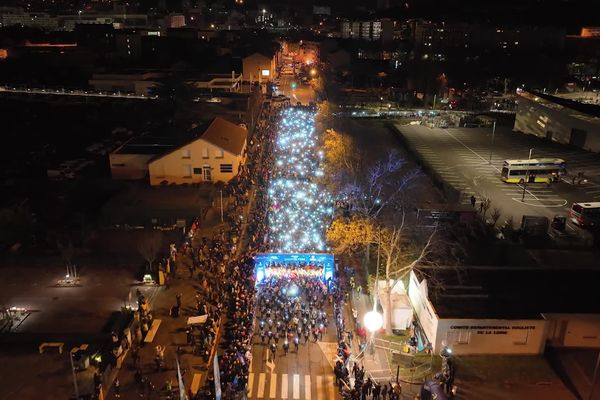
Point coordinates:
[[216, 154], [504, 310], [560, 120]]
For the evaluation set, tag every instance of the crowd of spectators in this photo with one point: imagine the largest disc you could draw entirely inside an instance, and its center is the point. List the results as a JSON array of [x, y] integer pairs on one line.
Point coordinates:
[[238, 281]]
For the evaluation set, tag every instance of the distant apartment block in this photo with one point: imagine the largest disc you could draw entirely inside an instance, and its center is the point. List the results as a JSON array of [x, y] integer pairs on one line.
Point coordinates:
[[175, 21], [432, 37], [368, 30], [15, 16]]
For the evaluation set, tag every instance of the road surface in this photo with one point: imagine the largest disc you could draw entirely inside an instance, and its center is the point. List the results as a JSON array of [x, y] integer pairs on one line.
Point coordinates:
[[306, 374], [303, 93], [460, 156]]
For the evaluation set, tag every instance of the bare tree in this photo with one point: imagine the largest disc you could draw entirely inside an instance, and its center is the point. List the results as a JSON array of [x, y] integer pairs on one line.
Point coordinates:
[[495, 216], [149, 246], [380, 188], [400, 259], [486, 203]]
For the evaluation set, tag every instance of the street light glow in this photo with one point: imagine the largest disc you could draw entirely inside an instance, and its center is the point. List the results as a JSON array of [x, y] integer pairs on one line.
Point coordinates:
[[373, 321]]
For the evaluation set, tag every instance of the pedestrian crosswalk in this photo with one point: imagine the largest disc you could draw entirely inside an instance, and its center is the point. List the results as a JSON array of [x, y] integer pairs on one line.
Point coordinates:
[[280, 386]]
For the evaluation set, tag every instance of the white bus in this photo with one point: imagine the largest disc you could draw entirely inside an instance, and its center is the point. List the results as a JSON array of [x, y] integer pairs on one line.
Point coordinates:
[[585, 214], [544, 170]]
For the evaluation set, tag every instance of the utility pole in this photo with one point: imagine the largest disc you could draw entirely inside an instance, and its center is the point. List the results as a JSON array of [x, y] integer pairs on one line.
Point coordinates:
[[74, 375], [493, 136], [375, 292], [595, 376], [526, 178]]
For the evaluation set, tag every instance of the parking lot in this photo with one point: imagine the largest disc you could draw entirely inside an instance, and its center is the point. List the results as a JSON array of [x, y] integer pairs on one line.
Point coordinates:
[[461, 158], [70, 314]]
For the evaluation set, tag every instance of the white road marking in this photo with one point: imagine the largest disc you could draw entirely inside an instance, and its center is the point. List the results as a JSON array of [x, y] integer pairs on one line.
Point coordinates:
[[261, 385], [320, 387], [250, 384], [306, 387], [296, 387], [284, 386], [273, 386]]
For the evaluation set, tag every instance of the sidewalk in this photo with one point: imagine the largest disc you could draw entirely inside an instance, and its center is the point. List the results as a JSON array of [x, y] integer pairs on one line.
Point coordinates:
[[170, 334], [376, 364]]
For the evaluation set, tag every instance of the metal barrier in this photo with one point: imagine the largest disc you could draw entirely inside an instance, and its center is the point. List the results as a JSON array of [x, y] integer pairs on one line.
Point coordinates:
[[400, 347]]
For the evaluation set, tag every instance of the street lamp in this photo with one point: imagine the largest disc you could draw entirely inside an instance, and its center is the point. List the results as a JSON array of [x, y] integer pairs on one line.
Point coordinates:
[[493, 136], [75, 386], [594, 376], [373, 321]]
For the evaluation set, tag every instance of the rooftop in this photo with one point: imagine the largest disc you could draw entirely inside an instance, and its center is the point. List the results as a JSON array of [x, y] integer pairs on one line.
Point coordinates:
[[583, 111], [149, 145], [512, 293], [226, 135]]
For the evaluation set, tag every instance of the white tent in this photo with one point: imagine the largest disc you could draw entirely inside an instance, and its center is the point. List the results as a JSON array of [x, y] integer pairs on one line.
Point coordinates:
[[402, 312]]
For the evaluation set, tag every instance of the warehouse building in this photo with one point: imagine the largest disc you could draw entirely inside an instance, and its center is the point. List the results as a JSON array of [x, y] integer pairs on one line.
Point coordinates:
[[504, 310], [559, 119]]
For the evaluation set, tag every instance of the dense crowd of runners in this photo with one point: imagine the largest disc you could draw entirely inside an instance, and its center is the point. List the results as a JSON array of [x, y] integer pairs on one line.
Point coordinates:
[[294, 305]]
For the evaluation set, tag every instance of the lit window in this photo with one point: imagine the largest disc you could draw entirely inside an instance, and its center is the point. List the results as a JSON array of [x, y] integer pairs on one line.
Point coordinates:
[[265, 72], [218, 153]]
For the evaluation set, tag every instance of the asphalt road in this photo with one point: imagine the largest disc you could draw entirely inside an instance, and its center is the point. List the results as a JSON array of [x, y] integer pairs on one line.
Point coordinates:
[[306, 374], [303, 93], [460, 156]]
